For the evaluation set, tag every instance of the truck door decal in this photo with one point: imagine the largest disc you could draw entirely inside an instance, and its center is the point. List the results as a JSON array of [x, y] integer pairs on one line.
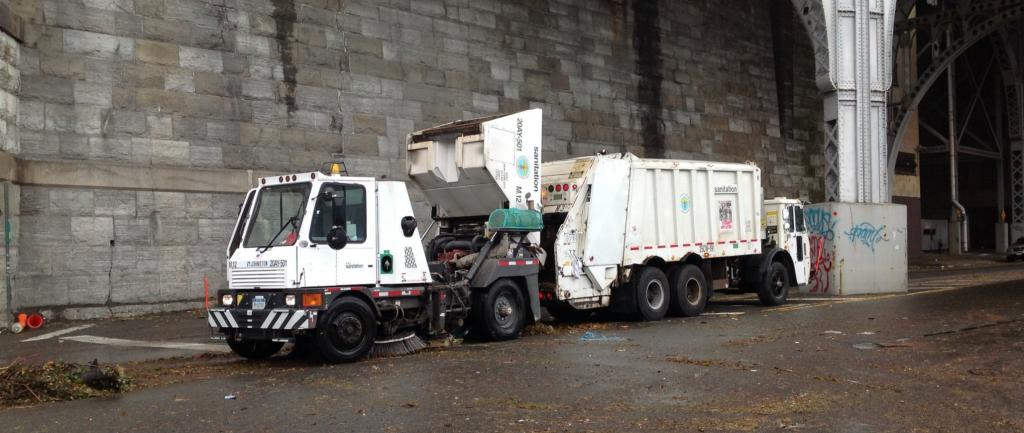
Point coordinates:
[[684, 203]]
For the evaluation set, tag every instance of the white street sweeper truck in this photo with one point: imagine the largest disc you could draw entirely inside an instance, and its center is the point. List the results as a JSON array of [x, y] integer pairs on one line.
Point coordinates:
[[335, 263]]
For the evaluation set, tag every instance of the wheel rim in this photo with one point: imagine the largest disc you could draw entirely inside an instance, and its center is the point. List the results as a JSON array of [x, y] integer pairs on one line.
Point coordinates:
[[655, 294], [348, 331], [693, 291], [505, 311], [778, 283]]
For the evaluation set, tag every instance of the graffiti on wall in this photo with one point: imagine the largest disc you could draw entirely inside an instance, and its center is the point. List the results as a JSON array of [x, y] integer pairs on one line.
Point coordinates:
[[821, 222], [821, 265], [825, 230], [822, 225], [867, 234]]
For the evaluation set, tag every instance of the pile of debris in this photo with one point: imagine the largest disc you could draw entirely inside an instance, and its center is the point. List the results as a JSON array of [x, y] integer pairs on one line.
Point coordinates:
[[22, 384]]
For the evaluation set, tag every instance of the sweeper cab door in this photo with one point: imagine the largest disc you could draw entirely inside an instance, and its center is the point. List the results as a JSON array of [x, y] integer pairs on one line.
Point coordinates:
[[348, 205]]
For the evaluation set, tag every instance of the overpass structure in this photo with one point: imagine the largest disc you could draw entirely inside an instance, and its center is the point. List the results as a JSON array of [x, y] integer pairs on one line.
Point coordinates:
[[130, 129]]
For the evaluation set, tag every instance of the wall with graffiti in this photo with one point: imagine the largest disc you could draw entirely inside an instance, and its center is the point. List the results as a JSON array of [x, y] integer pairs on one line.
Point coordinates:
[[857, 248]]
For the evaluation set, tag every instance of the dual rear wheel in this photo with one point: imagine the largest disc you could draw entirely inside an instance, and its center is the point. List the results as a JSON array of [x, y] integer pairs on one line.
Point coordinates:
[[684, 292]]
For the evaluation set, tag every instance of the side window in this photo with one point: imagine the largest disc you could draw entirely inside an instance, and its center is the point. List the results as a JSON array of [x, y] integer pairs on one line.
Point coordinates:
[[798, 216], [243, 213], [351, 202]]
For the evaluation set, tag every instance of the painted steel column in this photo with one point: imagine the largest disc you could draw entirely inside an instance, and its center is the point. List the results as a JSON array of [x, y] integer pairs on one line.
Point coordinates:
[[853, 52], [859, 41], [956, 211], [1015, 128]]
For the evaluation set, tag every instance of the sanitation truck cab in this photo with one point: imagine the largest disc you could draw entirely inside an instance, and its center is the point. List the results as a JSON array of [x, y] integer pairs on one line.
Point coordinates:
[[325, 230], [321, 257], [786, 229]]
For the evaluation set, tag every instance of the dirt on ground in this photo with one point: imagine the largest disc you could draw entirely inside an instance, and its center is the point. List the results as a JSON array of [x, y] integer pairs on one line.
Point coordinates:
[[22, 384]]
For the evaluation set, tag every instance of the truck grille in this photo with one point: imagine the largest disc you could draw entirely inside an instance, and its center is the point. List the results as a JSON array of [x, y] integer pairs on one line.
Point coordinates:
[[262, 278]]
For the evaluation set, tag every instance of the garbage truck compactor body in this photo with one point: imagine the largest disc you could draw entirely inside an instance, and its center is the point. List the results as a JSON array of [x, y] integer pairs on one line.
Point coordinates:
[[652, 236], [337, 265]]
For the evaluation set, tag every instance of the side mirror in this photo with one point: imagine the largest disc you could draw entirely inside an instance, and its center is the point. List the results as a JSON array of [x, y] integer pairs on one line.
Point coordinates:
[[408, 225], [327, 196], [337, 238]]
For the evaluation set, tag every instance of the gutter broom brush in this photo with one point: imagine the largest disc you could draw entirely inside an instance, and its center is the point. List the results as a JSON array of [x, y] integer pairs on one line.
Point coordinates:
[[397, 345]]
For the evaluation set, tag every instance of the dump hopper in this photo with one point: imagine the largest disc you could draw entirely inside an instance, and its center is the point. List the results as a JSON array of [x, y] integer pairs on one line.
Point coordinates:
[[469, 168]]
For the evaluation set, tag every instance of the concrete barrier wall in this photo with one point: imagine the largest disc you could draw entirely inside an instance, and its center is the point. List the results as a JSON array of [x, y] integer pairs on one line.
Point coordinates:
[[857, 248], [178, 86]]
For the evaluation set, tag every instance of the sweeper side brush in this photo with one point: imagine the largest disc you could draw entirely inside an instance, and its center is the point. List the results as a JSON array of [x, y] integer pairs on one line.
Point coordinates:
[[397, 345]]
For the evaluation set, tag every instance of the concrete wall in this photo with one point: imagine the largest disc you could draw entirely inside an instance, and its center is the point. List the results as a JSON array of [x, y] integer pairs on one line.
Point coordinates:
[[10, 81], [281, 85], [857, 248]]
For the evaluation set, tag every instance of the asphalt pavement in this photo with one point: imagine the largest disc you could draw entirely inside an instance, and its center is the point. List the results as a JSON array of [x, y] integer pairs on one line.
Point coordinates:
[[945, 357]]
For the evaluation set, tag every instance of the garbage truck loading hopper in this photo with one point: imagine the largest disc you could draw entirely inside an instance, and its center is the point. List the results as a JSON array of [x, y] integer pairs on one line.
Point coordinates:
[[470, 168]]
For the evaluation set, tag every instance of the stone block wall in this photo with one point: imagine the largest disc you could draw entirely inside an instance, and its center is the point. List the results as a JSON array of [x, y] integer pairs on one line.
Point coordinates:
[[10, 81], [284, 85]]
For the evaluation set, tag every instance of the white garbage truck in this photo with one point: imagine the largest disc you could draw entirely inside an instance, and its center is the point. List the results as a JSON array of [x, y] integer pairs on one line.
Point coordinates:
[[652, 236], [336, 263]]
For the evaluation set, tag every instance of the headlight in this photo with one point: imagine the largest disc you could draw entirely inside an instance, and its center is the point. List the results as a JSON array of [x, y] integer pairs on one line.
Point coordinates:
[[226, 300], [289, 300]]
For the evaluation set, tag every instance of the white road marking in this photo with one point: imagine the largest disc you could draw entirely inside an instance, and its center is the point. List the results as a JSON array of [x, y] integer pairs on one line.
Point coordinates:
[[723, 313], [151, 344], [56, 333]]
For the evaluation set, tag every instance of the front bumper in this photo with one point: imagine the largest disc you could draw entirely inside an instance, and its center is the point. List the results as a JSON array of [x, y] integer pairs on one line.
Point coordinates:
[[278, 319]]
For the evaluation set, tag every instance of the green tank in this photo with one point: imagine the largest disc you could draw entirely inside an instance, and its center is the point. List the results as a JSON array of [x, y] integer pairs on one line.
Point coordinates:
[[515, 220]]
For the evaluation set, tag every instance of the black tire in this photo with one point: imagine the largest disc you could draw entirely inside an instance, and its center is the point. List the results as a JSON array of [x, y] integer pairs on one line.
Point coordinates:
[[499, 312], [347, 331], [690, 291], [650, 286], [253, 349], [1010, 258], [775, 288]]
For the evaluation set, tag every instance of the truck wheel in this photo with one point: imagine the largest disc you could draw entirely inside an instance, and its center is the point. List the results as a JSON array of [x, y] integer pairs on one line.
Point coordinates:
[[652, 293], [347, 331], [689, 291], [775, 288], [500, 312], [253, 349]]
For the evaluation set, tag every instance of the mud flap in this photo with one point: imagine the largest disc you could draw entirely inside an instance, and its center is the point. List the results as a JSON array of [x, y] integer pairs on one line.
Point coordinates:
[[533, 291]]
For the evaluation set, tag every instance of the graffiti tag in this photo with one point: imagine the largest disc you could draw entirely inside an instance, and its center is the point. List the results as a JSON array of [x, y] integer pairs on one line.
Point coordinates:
[[821, 264], [866, 233], [821, 222]]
